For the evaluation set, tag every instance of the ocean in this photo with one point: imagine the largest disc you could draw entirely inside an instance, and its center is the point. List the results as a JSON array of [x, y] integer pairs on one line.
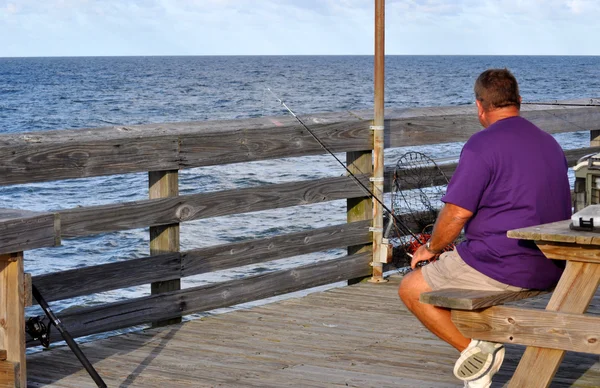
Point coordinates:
[[38, 94]]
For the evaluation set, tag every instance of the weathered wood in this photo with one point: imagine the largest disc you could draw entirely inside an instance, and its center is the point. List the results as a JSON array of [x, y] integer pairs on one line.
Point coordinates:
[[164, 238], [455, 298], [361, 208], [166, 211], [255, 251], [443, 127], [2, 355], [12, 313], [548, 329], [110, 276], [570, 251], [595, 138], [9, 375], [27, 292], [22, 230], [321, 340], [573, 294], [133, 272], [556, 232], [54, 155], [191, 300], [284, 137]]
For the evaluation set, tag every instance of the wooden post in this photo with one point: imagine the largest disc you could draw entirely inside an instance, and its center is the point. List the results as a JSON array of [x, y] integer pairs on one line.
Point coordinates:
[[359, 209], [378, 140], [164, 238], [12, 320], [595, 138]]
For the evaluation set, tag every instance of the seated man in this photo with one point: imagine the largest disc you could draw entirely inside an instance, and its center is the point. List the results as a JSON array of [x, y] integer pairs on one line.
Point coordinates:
[[510, 175]]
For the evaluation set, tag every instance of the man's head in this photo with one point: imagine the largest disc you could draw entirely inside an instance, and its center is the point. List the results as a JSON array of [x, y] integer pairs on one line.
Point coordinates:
[[496, 94]]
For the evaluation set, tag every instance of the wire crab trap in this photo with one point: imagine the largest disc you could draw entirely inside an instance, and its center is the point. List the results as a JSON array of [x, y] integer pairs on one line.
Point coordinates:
[[417, 188]]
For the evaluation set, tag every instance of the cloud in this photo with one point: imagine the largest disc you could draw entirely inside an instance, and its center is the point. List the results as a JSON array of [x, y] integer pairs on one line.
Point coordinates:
[[209, 27]]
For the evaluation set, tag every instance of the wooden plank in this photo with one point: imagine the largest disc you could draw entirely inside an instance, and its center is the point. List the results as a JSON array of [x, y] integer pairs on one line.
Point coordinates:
[[133, 272], [361, 208], [444, 127], [289, 139], [12, 313], [27, 291], [9, 374], [54, 155], [22, 230], [573, 252], [254, 251], [573, 294], [2, 355], [191, 300], [455, 298], [110, 276], [164, 238], [139, 214], [556, 232], [266, 346], [548, 329]]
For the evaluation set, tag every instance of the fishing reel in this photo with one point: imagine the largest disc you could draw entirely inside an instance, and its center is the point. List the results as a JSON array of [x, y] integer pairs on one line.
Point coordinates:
[[38, 330]]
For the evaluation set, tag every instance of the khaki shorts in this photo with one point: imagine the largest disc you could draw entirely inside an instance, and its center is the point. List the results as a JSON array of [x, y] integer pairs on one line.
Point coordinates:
[[450, 271]]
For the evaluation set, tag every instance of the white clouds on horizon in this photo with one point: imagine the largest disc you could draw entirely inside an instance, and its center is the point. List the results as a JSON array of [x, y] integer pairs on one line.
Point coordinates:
[[246, 27]]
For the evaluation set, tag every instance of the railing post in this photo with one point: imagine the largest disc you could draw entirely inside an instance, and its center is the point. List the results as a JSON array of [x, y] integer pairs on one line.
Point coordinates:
[[12, 321], [359, 209], [164, 238]]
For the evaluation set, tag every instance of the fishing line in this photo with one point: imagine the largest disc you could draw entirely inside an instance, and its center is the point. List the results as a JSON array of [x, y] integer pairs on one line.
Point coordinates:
[[350, 173]]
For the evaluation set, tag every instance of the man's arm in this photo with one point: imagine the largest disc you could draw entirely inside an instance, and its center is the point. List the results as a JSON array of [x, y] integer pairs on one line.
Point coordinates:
[[448, 225]]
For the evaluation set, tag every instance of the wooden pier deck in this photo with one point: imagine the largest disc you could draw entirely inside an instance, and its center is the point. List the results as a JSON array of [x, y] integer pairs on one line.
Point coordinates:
[[356, 336]]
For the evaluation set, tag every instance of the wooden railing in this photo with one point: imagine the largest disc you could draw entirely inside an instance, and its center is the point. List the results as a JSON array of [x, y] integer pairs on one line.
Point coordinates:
[[164, 149]]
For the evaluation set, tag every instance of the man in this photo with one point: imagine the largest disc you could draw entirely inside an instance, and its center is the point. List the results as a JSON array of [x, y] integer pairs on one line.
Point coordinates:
[[510, 175]]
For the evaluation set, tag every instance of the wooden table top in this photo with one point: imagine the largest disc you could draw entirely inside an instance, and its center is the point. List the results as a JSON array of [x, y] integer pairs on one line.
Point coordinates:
[[556, 232]]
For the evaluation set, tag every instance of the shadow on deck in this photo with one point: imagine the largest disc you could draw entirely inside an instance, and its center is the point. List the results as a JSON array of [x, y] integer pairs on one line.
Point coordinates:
[[356, 336]]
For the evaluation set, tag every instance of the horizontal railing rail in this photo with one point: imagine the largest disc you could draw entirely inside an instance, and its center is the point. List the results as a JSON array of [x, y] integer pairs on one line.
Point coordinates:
[[63, 154]]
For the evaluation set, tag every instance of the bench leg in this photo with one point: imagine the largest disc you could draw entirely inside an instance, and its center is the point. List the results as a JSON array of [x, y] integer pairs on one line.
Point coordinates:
[[573, 294], [12, 316]]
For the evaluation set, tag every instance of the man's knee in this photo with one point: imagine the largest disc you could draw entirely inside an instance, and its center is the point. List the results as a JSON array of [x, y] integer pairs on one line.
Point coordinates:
[[411, 288]]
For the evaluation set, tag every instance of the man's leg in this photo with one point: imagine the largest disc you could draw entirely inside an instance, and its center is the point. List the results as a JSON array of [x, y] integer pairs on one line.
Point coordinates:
[[436, 319]]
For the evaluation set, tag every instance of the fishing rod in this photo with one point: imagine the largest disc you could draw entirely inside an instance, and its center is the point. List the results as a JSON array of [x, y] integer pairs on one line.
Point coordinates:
[[37, 329], [350, 173]]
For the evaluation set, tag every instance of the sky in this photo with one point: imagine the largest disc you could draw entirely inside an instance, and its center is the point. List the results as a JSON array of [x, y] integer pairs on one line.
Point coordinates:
[[297, 27]]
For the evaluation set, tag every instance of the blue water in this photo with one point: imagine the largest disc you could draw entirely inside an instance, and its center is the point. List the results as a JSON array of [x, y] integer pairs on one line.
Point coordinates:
[[38, 94]]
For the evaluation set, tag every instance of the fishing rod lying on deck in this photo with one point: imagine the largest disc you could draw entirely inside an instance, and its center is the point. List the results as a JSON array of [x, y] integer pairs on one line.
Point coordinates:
[[392, 218], [38, 330]]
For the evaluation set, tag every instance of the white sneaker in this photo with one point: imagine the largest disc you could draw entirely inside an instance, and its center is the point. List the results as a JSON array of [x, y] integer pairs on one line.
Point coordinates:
[[478, 360], [485, 381]]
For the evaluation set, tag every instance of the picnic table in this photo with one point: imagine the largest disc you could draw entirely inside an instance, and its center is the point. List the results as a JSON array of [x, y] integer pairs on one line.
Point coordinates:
[[548, 334], [563, 325]]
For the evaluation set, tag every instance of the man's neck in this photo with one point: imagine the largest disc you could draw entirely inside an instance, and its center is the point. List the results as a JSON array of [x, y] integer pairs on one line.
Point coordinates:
[[501, 113]]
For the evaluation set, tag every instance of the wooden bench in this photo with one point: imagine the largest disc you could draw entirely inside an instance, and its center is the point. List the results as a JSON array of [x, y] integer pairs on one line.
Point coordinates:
[[461, 299], [548, 334]]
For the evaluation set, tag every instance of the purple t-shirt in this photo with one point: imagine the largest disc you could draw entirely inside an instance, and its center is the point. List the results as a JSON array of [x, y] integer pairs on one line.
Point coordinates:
[[510, 175]]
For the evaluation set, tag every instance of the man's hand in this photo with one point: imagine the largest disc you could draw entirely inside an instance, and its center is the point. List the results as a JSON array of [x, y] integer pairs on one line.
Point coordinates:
[[421, 254]]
